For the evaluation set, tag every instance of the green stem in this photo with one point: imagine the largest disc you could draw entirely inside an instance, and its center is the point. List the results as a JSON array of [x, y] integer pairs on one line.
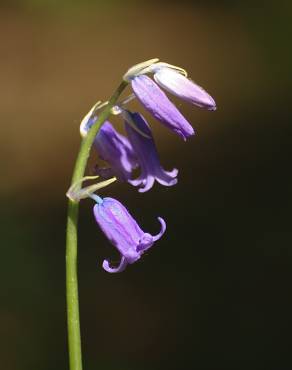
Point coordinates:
[[73, 322]]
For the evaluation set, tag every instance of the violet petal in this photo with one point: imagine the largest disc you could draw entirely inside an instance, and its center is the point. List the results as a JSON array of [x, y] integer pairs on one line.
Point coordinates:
[[158, 104], [162, 231], [116, 150], [121, 267], [179, 85], [147, 156], [123, 232]]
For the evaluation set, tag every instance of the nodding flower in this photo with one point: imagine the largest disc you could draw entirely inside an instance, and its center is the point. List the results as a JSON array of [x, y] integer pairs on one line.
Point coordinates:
[[159, 106], [117, 151], [114, 148], [147, 155], [123, 232]]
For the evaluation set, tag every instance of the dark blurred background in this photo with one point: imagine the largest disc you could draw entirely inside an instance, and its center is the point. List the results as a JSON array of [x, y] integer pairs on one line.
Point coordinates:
[[214, 293]]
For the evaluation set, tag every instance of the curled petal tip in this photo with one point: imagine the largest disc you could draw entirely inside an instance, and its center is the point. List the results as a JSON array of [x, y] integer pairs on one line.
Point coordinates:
[[146, 184], [162, 231], [168, 183], [173, 173], [121, 267]]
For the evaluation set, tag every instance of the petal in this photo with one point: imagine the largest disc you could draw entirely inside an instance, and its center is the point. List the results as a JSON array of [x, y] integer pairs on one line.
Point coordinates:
[[184, 88], [147, 184], [121, 267], [136, 182], [123, 232], [162, 231], [158, 104], [166, 180], [147, 156], [119, 227], [116, 150]]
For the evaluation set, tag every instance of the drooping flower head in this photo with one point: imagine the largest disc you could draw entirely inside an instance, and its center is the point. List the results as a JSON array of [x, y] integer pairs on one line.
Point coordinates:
[[147, 155], [123, 232]]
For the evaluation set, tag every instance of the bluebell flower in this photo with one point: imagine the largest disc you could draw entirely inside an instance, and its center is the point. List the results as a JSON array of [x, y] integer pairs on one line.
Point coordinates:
[[113, 148], [174, 80], [147, 155], [123, 232], [158, 104], [117, 151], [179, 85]]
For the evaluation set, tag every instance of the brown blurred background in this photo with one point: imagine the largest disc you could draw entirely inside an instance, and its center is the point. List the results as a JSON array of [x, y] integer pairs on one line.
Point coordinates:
[[214, 293]]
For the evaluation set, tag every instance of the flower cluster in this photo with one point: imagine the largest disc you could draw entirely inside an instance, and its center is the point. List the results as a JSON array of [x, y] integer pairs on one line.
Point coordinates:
[[138, 150]]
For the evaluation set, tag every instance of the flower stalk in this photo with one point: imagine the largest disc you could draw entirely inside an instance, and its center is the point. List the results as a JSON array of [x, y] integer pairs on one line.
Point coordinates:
[[73, 321], [123, 155]]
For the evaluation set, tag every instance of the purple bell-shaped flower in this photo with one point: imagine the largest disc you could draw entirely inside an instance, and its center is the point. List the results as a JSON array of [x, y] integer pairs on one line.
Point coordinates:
[[147, 156], [181, 86], [158, 104], [123, 232], [115, 149]]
